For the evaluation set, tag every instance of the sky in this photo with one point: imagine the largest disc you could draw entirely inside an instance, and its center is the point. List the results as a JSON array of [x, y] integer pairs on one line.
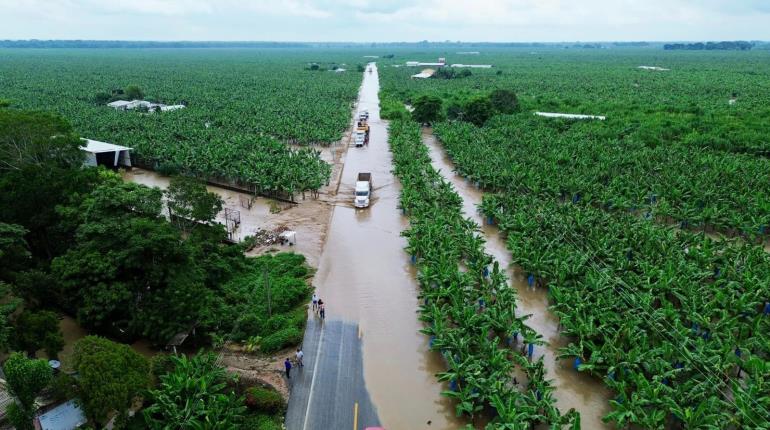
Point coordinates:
[[387, 20]]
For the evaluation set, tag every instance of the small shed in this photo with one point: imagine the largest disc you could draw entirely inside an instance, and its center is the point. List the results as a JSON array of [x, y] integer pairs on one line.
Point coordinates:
[[106, 154], [66, 416]]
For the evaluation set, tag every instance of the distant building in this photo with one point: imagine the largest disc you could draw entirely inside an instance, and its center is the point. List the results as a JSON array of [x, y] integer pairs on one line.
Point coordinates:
[[656, 68], [473, 66], [425, 74], [106, 154], [570, 116], [469, 53], [119, 104], [441, 63], [137, 104]]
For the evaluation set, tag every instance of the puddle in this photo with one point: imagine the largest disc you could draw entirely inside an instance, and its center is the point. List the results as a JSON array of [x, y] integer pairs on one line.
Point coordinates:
[[586, 394]]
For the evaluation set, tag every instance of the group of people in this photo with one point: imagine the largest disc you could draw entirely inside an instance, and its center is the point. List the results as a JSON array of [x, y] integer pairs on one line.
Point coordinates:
[[298, 361], [320, 309]]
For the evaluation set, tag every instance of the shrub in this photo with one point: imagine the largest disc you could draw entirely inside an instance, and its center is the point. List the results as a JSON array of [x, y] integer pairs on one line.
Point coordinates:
[[281, 339], [265, 400]]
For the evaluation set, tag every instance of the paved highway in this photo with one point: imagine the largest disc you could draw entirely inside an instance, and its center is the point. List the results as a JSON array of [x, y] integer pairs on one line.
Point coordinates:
[[329, 392]]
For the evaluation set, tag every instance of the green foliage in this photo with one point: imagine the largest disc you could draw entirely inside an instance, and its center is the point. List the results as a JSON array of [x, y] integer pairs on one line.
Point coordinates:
[[195, 395], [8, 306], [427, 109], [392, 108], [265, 400], [190, 202], [263, 422], [504, 101], [26, 378], [452, 263], [478, 111], [110, 376], [36, 330], [244, 105], [280, 339], [36, 139], [14, 253], [102, 98], [133, 92], [278, 318], [63, 387], [128, 271]]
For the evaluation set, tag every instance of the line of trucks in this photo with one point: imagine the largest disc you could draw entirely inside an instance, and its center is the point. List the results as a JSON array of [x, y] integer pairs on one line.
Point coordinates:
[[364, 180]]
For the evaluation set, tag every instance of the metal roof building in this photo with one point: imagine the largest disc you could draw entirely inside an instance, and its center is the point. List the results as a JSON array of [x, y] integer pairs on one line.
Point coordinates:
[[106, 154], [570, 116]]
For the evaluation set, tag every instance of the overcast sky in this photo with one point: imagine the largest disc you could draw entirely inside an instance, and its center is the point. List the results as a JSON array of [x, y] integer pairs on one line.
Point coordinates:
[[386, 20]]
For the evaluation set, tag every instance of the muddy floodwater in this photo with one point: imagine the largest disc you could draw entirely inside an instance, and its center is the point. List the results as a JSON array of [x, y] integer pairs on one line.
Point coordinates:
[[586, 394], [365, 276]]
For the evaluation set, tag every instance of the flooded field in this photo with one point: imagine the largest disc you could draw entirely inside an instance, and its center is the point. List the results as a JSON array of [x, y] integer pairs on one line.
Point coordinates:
[[575, 390], [365, 276]]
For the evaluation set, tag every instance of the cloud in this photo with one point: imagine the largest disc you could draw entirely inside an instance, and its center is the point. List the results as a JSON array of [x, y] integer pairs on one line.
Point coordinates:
[[387, 20]]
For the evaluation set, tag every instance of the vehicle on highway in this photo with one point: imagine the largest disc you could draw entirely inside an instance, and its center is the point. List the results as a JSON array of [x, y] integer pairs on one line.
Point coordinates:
[[363, 190]]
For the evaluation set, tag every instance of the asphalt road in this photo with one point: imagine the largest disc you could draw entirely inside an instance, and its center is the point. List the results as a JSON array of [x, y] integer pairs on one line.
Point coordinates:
[[329, 391]]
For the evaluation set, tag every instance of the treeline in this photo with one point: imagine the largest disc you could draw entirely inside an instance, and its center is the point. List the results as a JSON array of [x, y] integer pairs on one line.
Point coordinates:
[[739, 45], [34, 43]]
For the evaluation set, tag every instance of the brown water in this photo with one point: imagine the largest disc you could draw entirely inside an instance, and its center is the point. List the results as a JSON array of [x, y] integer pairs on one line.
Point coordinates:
[[365, 276], [580, 391]]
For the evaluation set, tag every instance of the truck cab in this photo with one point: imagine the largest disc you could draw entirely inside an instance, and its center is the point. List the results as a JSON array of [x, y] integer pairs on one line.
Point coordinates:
[[363, 190], [359, 138]]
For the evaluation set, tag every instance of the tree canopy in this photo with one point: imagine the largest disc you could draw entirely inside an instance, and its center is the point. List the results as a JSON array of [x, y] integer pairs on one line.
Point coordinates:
[[26, 378], [427, 109], [110, 376], [36, 138]]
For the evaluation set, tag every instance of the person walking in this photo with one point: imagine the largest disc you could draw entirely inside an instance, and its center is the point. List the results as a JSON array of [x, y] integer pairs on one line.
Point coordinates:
[[287, 365], [322, 309], [300, 355], [315, 302]]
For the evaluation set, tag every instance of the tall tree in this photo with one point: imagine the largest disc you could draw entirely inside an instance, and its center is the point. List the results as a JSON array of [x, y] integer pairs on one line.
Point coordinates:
[[110, 376], [504, 101], [478, 111], [26, 379], [36, 138], [427, 109], [128, 271], [190, 203], [36, 330]]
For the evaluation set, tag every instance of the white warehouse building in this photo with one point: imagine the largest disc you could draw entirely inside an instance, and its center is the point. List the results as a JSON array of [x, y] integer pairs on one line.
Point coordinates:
[[106, 154]]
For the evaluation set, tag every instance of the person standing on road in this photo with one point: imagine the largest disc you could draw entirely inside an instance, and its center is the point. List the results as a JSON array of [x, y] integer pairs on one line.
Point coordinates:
[[322, 309], [300, 355], [287, 365], [320, 304], [315, 302]]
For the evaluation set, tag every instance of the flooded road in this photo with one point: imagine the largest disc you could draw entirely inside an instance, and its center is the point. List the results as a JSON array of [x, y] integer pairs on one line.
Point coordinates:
[[364, 276], [586, 394]]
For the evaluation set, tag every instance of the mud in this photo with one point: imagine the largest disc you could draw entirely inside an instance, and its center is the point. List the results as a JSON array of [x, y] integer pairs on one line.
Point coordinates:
[[575, 390], [364, 276]]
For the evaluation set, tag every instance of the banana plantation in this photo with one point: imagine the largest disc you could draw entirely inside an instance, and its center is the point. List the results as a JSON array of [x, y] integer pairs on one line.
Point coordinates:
[[645, 231], [242, 107], [468, 309]]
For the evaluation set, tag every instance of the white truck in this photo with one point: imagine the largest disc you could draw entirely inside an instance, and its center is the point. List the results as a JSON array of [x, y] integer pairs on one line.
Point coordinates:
[[363, 190], [359, 138]]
